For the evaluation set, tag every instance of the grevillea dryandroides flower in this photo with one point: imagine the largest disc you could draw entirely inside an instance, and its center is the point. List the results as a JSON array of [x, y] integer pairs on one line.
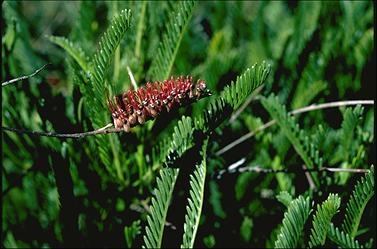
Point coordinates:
[[137, 106]]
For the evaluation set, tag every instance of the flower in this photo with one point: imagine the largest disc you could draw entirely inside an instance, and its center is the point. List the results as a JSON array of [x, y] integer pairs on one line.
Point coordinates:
[[137, 106]]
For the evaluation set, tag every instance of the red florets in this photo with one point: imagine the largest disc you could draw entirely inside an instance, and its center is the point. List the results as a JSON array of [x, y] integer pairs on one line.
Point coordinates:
[[136, 107]]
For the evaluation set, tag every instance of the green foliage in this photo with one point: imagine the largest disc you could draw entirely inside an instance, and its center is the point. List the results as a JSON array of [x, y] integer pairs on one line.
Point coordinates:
[[363, 47], [73, 50], [237, 92], [322, 220], [285, 182], [241, 184], [298, 137], [305, 24], [293, 223], [215, 200], [98, 85], [86, 27], [297, 213], [179, 142], [159, 208], [100, 64], [349, 151], [179, 16], [285, 198], [363, 191], [130, 232], [351, 119], [195, 202], [209, 241], [246, 228], [342, 239]]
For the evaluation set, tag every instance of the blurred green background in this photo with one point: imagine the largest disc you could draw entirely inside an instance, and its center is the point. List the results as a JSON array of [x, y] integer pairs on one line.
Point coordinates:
[[62, 193]]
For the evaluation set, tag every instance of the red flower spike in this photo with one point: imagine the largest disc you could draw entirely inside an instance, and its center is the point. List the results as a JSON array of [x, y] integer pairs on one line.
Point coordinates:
[[136, 107]]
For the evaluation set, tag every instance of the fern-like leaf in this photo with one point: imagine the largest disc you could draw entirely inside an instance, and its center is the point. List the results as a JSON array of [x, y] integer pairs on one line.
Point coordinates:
[[178, 144], [73, 50], [159, 208], [344, 240], [221, 107], [167, 51], [363, 191], [182, 132], [195, 202], [300, 141], [236, 93], [100, 64], [293, 223], [322, 220]]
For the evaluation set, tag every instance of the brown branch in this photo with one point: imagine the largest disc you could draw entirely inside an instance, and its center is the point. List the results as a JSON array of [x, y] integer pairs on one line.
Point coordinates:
[[24, 77], [294, 112]]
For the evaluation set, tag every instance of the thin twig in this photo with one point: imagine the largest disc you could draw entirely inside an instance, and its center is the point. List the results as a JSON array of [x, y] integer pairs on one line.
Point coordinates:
[[294, 112], [244, 138], [59, 135], [23, 77]]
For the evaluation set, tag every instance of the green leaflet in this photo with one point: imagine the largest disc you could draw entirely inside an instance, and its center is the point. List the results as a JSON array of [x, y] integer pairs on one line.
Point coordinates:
[[159, 208], [363, 191], [293, 223], [195, 202], [236, 93], [342, 239], [322, 220]]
